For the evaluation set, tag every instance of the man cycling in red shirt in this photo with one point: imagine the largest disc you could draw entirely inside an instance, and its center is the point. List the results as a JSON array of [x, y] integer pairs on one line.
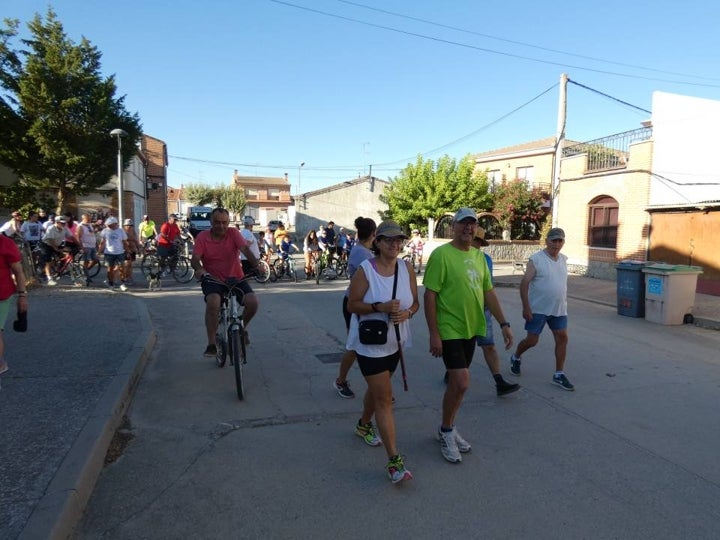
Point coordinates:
[[217, 253], [167, 241]]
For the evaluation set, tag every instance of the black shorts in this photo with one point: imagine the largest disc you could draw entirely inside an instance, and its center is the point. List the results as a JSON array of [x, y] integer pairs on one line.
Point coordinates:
[[370, 365], [248, 269], [243, 288], [166, 251], [346, 314], [458, 353]]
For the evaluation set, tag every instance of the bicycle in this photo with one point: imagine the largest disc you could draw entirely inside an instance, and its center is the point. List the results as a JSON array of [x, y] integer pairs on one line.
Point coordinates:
[[263, 272], [413, 258], [230, 335], [179, 265], [284, 267], [324, 267]]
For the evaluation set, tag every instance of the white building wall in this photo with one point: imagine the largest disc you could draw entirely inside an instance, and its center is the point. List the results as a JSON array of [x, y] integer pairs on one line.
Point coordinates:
[[686, 146]]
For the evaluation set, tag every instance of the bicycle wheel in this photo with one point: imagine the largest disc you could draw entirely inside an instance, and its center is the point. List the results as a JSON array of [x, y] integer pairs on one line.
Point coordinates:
[[273, 275], [263, 272], [238, 359], [292, 274], [318, 270], [341, 269], [150, 264], [183, 272], [279, 266]]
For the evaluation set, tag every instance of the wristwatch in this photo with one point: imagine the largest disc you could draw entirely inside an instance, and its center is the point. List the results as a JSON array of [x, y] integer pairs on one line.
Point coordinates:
[[374, 306], [505, 324]]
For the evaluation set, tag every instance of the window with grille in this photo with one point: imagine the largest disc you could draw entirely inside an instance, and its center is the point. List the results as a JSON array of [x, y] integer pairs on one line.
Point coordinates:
[[603, 226]]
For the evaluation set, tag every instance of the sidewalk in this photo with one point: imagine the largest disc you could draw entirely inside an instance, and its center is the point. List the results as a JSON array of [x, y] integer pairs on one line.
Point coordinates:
[[706, 310], [72, 376]]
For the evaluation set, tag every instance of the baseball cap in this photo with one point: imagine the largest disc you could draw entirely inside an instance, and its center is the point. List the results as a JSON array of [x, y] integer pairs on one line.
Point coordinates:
[[111, 221], [60, 219], [249, 220], [480, 236], [145, 216], [172, 216], [128, 221], [556, 233], [465, 213], [389, 229], [416, 231]]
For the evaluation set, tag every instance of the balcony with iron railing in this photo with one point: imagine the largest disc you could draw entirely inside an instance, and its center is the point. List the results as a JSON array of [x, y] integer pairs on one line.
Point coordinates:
[[611, 152]]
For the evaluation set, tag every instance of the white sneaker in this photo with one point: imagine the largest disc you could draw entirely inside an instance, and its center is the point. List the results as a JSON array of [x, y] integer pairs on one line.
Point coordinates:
[[449, 446], [123, 288], [462, 444], [51, 282]]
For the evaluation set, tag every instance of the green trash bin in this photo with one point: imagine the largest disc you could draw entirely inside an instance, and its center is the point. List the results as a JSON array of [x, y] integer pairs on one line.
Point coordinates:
[[630, 289], [670, 292]]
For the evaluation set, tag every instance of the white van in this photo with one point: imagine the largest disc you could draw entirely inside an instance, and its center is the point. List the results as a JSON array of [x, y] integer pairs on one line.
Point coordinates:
[[198, 219]]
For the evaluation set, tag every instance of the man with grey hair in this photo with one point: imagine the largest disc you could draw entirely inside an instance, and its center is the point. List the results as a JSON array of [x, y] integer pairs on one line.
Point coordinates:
[[543, 291], [458, 286]]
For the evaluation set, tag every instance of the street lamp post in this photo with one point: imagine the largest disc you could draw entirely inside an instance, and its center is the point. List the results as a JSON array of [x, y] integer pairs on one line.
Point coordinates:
[[302, 164], [119, 133]]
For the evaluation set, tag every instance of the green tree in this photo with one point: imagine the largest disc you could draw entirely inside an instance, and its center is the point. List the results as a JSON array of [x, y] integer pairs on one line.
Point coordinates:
[[198, 194], [57, 111], [519, 208], [234, 199], [428, 189]]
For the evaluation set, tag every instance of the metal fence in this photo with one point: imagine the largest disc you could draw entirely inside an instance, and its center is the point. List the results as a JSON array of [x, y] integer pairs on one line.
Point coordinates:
[[611, 152]]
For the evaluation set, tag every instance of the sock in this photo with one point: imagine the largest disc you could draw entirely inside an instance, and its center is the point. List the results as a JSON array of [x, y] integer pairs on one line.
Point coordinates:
[[445, 430], [558, 373]]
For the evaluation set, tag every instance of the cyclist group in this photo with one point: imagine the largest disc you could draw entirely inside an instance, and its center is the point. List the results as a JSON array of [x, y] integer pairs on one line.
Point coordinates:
[[56, 239]]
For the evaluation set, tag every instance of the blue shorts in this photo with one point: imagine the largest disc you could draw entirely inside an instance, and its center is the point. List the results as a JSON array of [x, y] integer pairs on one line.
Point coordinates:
[[89, 254], [114, 260], [536, 325], [488, 338]]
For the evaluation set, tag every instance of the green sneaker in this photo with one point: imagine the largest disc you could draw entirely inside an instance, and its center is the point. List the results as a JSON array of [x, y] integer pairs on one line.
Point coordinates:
[[367, 432], [397, 471]]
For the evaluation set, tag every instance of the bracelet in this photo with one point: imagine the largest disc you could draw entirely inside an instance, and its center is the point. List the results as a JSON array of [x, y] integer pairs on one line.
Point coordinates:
[[374, 306], [505, 324], [410, 311]]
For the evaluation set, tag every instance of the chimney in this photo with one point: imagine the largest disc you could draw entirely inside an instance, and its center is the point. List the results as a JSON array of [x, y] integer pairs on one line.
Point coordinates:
[[286, 178]]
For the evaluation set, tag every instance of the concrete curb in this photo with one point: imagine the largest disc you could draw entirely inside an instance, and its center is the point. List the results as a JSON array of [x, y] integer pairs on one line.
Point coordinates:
[[64, 502]]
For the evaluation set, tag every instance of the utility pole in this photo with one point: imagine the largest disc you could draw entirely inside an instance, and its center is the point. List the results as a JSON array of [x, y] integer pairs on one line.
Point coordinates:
[[559, 139]]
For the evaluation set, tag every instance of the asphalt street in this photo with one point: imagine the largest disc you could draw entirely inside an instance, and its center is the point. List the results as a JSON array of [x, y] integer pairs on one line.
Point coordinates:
[[630, 454]]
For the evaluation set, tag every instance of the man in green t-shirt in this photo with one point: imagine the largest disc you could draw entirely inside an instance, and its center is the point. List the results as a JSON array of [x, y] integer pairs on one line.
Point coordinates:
[[458, 285], [147, 230]]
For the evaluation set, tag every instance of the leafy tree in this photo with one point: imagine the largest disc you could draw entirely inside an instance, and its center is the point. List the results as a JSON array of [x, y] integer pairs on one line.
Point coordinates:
[[57, 111], [428, 189], [198, 194], [519, 208], [24, 198], [234, 199]]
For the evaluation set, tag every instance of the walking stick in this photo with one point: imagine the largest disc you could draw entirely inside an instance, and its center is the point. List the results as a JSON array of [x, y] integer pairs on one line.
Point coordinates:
[[397, 334], [402, 358]]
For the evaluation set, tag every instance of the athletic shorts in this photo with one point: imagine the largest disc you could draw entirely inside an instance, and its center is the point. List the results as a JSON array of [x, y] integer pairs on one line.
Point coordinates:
[[166, 251], [346, 314], [89, 254], [370, 365], [488, 338], [131, 256], [114, 259], [4, 311], [536, 325], [243, 288], [458, 353]]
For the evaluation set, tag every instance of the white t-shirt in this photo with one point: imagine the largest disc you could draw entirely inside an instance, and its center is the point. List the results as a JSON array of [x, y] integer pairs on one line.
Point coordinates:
[[113, 240], [249, 237], [31, 231]]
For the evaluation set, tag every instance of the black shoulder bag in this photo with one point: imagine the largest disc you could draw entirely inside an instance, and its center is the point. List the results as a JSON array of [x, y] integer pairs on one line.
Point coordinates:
[[374, 331]]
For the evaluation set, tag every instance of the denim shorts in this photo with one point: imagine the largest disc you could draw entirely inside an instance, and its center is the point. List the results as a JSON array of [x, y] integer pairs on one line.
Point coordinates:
[[536, 325], [488, 338]]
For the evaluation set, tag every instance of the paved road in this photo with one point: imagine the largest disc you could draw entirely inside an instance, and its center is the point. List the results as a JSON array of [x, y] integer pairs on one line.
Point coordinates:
[[631, 454]]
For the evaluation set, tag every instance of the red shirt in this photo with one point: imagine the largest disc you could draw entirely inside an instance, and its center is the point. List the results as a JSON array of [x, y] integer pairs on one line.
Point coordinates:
[[220, 258], [171, 230], [9, 254]]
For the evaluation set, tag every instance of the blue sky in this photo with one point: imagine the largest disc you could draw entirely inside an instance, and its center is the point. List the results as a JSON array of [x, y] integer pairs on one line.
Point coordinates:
[[261, 85]]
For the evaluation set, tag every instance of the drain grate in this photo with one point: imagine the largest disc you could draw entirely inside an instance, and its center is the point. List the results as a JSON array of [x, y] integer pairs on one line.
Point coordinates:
[[330, 358]]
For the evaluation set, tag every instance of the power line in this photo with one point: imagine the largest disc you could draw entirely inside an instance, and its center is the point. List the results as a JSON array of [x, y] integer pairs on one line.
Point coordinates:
[[524, 44], [483, 128], [609, 96], [491, 51]]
